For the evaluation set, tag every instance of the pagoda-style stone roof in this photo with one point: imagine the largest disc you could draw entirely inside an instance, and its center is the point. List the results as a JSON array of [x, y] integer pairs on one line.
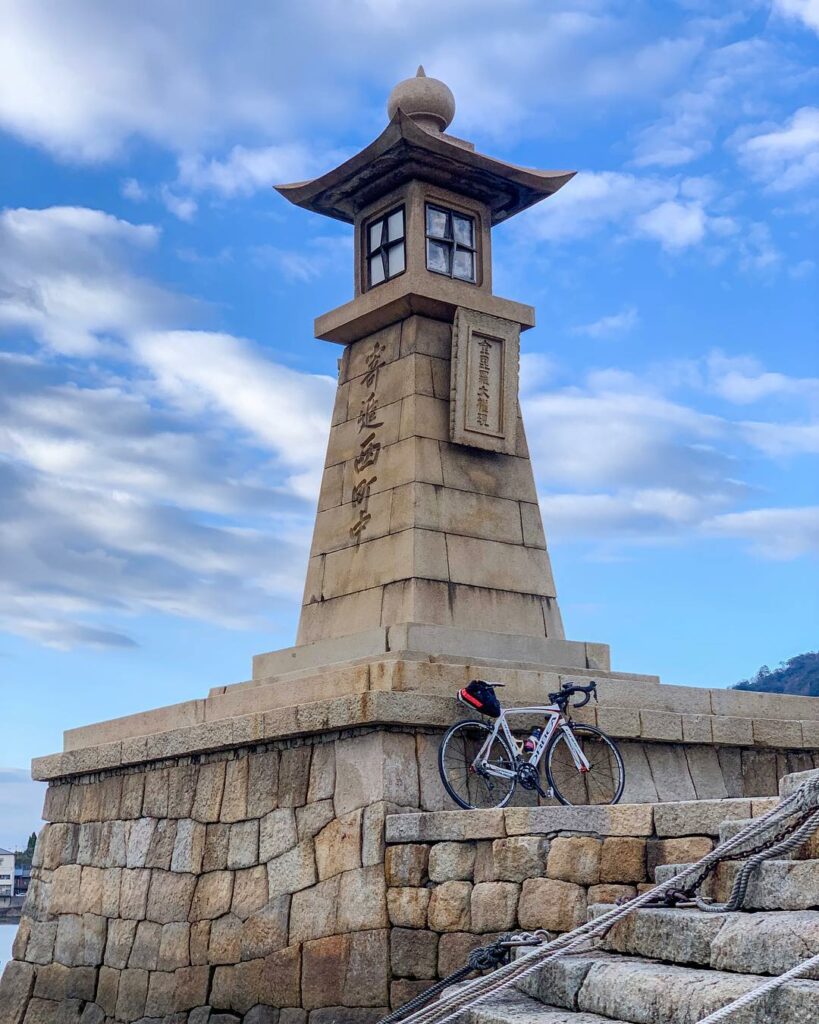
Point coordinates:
[[405, 151]]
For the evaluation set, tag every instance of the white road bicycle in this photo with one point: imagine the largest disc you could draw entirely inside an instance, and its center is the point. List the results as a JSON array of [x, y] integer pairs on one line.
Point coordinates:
[[481, 765]]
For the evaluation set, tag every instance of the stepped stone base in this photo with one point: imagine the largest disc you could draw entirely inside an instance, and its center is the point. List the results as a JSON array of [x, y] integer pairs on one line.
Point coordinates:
[[250, 856]]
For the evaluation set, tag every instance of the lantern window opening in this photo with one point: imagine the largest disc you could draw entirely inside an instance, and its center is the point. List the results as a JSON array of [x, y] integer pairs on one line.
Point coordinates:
[[451, 245], [386, 247]]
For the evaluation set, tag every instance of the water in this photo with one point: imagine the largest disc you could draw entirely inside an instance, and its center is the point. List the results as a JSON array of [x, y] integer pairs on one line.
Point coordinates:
[[7, 933]]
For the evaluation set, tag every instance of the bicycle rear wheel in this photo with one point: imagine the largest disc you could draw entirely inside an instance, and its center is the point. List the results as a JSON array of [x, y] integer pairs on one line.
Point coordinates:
[[606, 777], [470, 787]]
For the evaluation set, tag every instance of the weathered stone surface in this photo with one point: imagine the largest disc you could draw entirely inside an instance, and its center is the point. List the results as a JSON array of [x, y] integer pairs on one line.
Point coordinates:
[[618, 820], [451, 862], [700, 817], [132, 995], [161, 847], [155, 801], [139, 842], [225, 940], [191, 988], [338, 845], [250, 891], [314, 911], [262, 783], [133, 894], [181, 790], [406, 865], [312, 818], [687, 850], [551, 904], [174, 946], [39, 948], [80, 940], [449, 907], [17, 984], [214, 856], [212, 896], [623, 860], [189, 846], [609, 892], [133, 791], [362, 900], [322, 782], [210, 786], [267, 930], [407, 907], [119, 943], [243, 844], [292, 871], [234, 800], [294, 776], [160, 998], [366, 982], [324, 969], [169, 896], [277, 833], [454, 948], [413, 953], [575, 859], [517, 858], [493, 906], [145, 951]]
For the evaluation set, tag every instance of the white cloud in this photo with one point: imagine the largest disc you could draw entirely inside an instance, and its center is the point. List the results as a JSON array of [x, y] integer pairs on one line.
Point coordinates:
[[743, 380], [785, 157], [616, 323], [246, 170], [671, 211], [806, 11], [65, 276], [179, 83], [673, 224], [204, 372], [776, 533], [182, 207]]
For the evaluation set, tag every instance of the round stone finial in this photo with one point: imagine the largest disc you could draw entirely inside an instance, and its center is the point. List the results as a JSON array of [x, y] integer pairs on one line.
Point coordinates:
[[427, 101]]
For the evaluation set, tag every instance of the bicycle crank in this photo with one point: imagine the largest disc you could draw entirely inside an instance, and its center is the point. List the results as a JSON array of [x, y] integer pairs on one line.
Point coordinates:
[[529, 778]]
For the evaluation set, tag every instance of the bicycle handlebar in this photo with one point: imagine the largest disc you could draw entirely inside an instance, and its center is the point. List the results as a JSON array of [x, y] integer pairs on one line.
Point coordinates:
[[568, 690]]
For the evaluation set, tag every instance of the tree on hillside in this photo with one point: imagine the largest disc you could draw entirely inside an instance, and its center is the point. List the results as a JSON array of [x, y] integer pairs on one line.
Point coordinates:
[[798, 676]]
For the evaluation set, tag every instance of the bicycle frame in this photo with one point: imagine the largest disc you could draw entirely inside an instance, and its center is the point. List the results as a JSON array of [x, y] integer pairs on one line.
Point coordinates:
[[555, 722]]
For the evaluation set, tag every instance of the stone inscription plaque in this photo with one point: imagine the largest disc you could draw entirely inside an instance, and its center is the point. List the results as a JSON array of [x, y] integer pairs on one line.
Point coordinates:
[[484, 382]]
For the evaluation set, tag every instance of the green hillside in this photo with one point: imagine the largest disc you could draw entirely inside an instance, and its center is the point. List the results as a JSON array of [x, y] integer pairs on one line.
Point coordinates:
[[798, 675]]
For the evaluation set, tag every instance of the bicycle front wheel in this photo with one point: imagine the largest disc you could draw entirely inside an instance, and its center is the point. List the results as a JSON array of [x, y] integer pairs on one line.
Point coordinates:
[[469, 784], [604, 781]]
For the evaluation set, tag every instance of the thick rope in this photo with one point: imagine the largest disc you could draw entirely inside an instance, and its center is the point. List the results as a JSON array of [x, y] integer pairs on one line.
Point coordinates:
[[759, 993], [739, 889], [450, 1006]]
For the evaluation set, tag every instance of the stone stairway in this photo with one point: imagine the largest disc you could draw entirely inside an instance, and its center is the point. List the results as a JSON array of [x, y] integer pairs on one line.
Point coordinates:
[[675, 966]]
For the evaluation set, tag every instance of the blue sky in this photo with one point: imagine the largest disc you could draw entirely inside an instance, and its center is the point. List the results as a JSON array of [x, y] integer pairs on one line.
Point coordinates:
[[164, 407]]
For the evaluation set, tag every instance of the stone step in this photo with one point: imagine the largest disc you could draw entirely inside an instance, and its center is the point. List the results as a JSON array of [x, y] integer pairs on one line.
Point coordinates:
[[789, 784], [776, 884], [728, 829], [759, 943], [642, 991], [512, 1007]]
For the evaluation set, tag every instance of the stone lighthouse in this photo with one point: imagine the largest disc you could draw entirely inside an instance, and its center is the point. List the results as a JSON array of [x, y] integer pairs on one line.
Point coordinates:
[[263, 853], [428, 536]]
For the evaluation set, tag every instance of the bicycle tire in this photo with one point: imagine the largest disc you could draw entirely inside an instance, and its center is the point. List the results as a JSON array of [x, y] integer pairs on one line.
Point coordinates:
[[607, 748], [462, 797]]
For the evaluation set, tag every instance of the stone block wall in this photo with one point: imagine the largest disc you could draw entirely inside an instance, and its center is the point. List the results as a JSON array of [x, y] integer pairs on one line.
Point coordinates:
[[249, 883], [244, 884], [456, 882]]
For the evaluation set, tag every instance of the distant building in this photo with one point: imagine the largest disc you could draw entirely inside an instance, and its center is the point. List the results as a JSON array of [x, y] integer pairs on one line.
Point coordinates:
[[22, 879], [6, 873]]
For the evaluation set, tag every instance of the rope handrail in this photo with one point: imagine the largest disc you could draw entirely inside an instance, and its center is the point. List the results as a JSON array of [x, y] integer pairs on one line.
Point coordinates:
[[803, 802]]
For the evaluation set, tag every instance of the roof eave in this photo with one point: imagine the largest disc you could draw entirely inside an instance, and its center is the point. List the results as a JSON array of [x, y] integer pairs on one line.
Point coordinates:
[[528, 185]]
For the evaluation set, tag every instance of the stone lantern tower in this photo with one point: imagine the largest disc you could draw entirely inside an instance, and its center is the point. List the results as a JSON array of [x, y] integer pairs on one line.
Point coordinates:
[[428, 535], [259, 854]]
